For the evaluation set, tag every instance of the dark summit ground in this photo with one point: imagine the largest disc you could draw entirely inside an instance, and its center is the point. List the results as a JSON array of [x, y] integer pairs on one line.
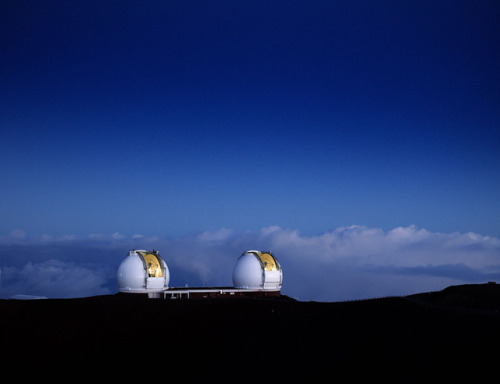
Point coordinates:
[[452, 334]]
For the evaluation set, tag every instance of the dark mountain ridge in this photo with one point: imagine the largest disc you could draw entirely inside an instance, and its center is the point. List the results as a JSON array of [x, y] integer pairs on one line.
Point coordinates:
[[453, 333]]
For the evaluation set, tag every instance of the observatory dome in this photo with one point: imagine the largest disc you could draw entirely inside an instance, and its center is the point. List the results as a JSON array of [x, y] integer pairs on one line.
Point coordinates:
[[257, 270], [143, 271]]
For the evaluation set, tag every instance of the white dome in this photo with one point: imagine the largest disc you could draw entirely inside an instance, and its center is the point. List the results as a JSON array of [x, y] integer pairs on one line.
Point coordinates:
[[257, 270], [143, 271]]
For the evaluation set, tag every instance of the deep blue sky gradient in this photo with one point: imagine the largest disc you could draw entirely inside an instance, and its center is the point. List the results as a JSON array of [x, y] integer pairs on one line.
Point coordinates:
[[171, 118]]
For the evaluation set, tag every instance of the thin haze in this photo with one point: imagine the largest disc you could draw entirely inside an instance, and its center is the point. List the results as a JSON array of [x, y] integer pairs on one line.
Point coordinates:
[[122, 121]]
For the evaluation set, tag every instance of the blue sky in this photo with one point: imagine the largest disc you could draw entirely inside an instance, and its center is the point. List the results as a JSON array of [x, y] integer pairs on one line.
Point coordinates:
[[168, 119]]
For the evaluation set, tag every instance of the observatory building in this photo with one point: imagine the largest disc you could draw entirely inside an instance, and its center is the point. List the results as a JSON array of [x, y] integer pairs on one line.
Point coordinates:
[[255, 273], [143, 272], [257, 270]]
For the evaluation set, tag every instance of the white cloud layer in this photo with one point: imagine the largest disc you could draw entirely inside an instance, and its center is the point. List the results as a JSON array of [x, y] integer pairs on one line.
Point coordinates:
[[54, 279], [346, 263]]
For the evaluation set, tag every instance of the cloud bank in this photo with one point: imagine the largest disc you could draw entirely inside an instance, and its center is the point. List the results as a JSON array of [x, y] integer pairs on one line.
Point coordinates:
[[346, 263]]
